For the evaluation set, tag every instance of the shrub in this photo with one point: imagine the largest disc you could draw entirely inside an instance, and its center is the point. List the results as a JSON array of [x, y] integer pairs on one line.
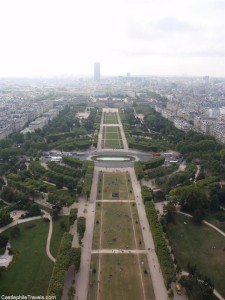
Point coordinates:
[[81, 226], [73, 215]]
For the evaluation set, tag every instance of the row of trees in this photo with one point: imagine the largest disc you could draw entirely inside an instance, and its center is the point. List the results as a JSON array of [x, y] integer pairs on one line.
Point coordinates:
[[161, 248], [66, 257]]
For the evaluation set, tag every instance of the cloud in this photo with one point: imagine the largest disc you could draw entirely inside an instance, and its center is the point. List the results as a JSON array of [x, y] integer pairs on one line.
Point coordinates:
[[157, 29]]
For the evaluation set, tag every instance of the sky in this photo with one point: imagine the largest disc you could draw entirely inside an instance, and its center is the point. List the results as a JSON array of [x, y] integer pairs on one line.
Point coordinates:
[[143, 37]]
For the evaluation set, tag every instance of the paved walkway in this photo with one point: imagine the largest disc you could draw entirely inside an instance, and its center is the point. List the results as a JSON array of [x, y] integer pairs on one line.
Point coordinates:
[[156, 274], [115, 201], [48, 251], [82, 276], [125, 145], [118, 251]]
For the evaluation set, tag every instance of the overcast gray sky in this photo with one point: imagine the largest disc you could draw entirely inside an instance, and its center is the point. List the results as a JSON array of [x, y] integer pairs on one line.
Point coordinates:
[[144, 37]]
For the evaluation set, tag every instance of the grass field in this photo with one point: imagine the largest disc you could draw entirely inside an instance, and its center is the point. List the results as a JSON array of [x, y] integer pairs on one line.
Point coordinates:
[[120, 277], [32, 269], [110, 118], [113, 144], [118, 226], [112, 133], [115, 183], [200, 245], [112, 138]]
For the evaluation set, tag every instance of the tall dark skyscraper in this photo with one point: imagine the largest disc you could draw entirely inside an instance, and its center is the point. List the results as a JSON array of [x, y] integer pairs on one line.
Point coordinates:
[[97, 71]]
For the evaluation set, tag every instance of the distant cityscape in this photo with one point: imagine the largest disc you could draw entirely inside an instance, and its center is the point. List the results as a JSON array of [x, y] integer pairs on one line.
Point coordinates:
[[193, 103]]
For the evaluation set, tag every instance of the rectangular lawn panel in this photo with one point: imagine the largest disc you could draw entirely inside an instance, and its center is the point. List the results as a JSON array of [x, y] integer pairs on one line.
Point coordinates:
[[110, 118], [113, 144], [99, 190], [119, 183], [117, 229], [32, 269], [200, 245], [137, 226], [111, 129], [93, 278], [97, 227], [120, 278], [112, 138]]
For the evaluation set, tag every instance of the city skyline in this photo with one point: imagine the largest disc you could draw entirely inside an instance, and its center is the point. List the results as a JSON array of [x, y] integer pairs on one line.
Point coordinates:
[[53, 38]]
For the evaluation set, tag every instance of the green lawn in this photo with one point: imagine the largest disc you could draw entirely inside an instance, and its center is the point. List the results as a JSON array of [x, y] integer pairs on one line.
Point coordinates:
[[110, 118], [112, 138], [108, 129], [117, 230], [115, 182], [112, 133], [120, 278], [121, 275], [212, 219], [113, 144], [200, 245], [32, 269], [57, 234]]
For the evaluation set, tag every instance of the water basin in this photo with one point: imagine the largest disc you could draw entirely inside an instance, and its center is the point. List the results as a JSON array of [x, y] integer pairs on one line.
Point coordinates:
[[112, 158]]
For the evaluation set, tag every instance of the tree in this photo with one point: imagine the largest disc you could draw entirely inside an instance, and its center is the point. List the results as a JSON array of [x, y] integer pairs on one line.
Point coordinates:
[[198, 216], [3, 241], [5, 217], [170, 212], [2, 182], [34, 210], [222, 155], [15, 232], [18, 138], [190, 197], [221, 195]]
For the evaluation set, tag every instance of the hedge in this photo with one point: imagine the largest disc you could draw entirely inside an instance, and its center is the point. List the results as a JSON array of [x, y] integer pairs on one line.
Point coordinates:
[[146, 194], [66, 257], [162, 251], [73, 215], [81, 226], [138, 168]]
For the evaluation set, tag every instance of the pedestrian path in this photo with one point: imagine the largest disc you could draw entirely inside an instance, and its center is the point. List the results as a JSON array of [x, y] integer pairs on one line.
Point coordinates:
[[118, 251]]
